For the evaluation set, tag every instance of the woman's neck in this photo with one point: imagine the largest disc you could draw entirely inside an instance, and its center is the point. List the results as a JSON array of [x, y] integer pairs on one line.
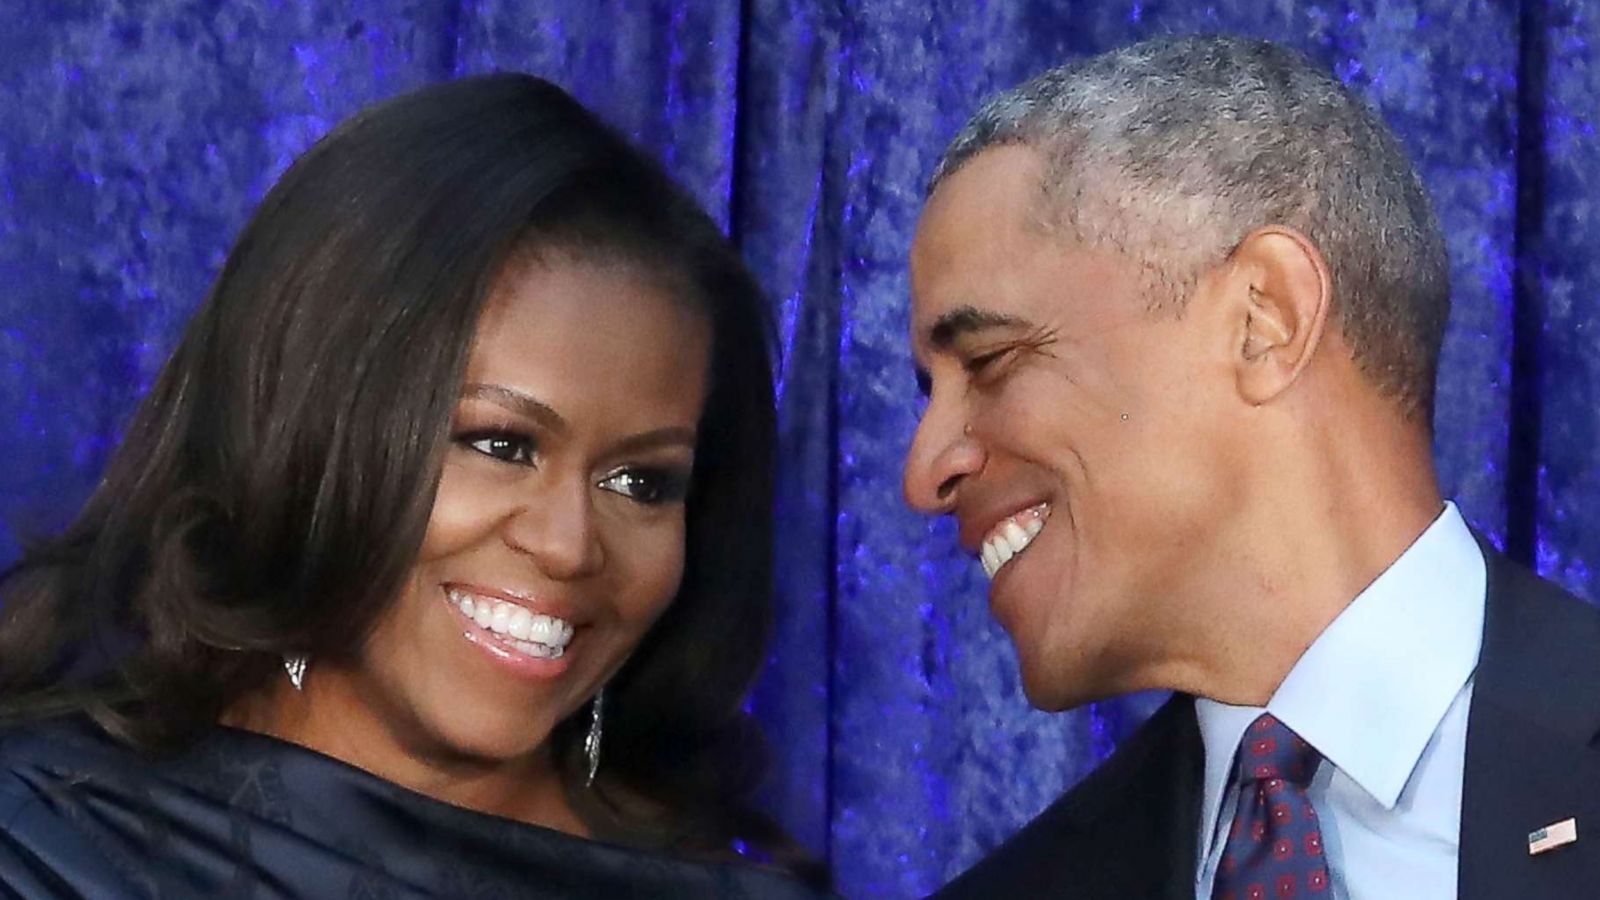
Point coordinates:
[[328, 717]]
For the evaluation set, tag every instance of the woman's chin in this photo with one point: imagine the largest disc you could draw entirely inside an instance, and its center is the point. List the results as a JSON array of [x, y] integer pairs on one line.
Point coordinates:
[[490, 739]]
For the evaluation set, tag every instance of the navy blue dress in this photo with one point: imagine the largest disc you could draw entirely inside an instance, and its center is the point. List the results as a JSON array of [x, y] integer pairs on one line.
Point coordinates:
[[245, 815]]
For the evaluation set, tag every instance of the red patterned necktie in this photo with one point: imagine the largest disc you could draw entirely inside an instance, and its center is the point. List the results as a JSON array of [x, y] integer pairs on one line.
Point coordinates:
[[1274, 848]]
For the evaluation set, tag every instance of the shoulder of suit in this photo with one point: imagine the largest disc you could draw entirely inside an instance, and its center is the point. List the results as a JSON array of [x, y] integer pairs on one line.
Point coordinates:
[[1047, 842], [1521, 600], [1540, 663]]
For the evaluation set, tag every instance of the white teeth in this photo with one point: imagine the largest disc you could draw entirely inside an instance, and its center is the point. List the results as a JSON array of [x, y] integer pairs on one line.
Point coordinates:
[[1016, 537], [543, 651], [1003, 550], [517, 627], [991, 560], [500, 622], [544, 630], [1011, 536], [529, 632]]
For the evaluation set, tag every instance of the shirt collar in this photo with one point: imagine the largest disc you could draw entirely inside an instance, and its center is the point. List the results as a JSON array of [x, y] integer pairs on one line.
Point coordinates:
[[1373, 687]]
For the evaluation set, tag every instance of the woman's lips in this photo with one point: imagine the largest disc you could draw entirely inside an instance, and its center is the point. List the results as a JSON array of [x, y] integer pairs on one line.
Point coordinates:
[[529, 644]]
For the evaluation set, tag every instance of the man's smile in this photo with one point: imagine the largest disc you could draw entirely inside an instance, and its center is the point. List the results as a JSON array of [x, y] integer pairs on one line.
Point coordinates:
[[1010, 536]]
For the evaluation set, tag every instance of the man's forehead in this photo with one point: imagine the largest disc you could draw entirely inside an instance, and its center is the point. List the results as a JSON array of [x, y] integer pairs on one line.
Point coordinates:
[[1000, 184], [972, 236]]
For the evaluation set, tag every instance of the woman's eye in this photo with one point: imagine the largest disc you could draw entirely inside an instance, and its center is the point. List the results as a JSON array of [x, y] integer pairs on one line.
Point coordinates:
[[647, 486], [511, 448]]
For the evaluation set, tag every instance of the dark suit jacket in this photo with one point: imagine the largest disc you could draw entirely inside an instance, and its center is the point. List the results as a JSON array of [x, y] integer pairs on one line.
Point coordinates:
[[1130, 829]]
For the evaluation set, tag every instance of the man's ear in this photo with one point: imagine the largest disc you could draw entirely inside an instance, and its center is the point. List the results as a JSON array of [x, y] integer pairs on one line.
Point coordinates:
[[1284, 297]]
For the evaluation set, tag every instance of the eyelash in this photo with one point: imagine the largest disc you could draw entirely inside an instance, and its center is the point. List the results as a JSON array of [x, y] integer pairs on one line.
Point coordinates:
[[660, 486], [646, 485], [978, 364], [520, 445]]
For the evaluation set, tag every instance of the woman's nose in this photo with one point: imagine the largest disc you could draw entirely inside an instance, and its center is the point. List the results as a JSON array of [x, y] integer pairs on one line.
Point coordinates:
[[557, 529]]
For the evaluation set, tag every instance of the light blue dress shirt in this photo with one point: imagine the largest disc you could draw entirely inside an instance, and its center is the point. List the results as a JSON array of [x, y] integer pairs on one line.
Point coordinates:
[[1382, 694]]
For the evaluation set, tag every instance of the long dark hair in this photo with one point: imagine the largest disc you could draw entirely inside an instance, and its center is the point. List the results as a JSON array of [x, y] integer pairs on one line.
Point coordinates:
[[272, 491]]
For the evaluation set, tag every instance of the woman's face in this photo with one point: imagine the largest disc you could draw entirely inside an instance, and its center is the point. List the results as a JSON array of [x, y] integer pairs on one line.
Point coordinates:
[[557, 535]]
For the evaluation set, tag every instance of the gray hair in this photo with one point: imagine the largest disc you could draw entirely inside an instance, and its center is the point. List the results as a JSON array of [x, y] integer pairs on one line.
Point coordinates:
[[1173, 150]]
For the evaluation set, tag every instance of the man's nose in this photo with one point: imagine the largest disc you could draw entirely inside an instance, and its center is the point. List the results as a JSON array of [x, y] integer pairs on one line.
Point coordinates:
[[943, 454]]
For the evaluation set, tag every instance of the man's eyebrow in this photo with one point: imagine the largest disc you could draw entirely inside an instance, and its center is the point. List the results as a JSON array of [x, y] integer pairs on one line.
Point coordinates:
[[965, 320], [516, 401]]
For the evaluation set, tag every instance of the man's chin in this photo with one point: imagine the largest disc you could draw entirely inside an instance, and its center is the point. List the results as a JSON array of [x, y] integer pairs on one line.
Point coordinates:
[[1060, 692]]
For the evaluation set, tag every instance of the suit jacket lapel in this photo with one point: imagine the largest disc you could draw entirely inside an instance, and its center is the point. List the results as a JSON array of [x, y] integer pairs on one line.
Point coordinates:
[[1127, 830], [1531, 759], [1137, 825]]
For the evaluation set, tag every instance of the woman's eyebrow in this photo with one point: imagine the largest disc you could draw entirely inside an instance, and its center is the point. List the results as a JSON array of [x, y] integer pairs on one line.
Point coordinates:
[[518, 402], [670, 436]]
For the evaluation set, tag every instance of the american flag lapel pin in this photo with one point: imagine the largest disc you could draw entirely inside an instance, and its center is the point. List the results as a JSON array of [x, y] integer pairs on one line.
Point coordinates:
[[1556, 834]]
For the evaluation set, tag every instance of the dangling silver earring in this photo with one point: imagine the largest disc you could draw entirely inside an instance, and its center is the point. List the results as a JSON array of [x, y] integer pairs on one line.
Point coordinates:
[[296, 667], [591, 743]]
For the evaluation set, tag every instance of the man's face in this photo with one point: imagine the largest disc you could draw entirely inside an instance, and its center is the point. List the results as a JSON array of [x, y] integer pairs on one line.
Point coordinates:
[[1072, 433]]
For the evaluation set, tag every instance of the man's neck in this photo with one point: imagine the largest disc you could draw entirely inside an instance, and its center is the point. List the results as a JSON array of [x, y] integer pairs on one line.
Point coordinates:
[[1323, 524]]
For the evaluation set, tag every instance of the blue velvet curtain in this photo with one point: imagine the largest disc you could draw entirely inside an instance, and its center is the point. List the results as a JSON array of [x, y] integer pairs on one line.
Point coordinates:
[[136, 135]]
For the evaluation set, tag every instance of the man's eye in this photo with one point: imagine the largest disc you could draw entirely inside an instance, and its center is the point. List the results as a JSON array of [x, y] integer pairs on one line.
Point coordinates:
[[511, 448], [647, 486], [977, 365]]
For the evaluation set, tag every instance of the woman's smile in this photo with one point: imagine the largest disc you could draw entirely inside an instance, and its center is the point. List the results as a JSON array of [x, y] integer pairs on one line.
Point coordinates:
[[511, 630]]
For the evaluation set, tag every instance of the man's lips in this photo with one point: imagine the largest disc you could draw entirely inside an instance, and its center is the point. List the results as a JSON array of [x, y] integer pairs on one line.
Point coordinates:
[[978, 518], [1010, 536]]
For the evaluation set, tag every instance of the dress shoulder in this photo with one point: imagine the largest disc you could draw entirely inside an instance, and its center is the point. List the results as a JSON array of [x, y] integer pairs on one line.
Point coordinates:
[[241, 814], [46, 770]]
